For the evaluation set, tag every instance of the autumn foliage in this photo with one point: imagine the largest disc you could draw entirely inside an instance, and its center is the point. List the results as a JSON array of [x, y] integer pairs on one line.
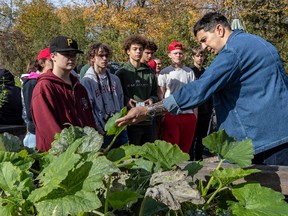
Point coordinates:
[[29, 26]]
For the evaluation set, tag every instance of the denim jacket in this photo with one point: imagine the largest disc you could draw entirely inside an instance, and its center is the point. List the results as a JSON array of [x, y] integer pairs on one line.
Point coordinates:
[[250, 89]]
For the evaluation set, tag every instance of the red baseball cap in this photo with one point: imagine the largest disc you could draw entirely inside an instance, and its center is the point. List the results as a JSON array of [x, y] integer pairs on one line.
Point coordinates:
[[175, 46], [152, 64], [45, 53]]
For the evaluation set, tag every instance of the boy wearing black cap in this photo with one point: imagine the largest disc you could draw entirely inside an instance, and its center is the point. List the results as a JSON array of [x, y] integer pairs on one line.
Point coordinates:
[[59, 98]]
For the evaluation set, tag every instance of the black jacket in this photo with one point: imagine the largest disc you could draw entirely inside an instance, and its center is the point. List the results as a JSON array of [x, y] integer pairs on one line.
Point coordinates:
[[11, 109], [27, 90]]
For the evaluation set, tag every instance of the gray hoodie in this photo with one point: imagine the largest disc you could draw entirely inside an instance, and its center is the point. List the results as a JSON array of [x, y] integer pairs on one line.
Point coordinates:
[[104, 103]]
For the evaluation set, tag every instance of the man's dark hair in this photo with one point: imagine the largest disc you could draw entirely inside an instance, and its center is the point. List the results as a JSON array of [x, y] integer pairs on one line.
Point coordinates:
[[134, 39], [94, 48], [197, 50], [209, 21], [151, 46]]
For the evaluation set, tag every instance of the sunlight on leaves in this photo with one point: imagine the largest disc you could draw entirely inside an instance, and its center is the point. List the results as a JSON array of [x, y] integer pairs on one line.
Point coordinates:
[[229, 149]]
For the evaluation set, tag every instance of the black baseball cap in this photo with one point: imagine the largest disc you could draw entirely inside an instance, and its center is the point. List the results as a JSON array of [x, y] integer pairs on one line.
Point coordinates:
[[64, 44]]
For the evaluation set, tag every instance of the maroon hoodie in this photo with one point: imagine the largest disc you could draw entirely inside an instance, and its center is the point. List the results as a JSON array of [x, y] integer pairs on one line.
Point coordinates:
[[56, 105]]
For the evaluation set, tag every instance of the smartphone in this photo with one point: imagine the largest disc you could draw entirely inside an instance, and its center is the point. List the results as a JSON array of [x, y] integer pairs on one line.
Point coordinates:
[[140, 104]]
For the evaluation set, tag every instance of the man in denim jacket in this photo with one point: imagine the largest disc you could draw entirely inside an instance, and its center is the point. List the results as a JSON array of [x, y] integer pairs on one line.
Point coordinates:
[[249, 85]]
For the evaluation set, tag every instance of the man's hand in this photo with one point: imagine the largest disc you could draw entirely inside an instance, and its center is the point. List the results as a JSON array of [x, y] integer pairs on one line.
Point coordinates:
[[135, 115], [148, 102]]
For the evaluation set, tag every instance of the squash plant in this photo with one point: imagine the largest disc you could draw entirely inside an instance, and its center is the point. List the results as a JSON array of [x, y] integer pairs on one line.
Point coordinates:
[[78, 177]]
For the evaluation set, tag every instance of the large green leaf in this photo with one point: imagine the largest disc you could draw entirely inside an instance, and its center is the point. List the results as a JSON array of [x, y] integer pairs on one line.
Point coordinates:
[[26, 184], [92, 139], [229, 149], [8, 156], [45, 159], [100, 167], [24, 160], [121, 198], [9, 176], [65, 138], [194, 167], [124, 152], [54, 183], [229, 175], [77, 192], [11, 143], [81, 201], [67, 160], [259, 201], [65, 199], [143, 164], [16, 185], [117, 154], [56, 171], [163, 154], [20, 159], [9, 206], [152, 207], [111, 127]]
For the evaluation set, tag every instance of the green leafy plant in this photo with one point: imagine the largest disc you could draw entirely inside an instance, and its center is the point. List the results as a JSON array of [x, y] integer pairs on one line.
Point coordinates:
[[78, 177]]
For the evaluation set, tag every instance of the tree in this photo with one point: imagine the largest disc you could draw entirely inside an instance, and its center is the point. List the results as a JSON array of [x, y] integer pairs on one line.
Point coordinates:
[[160, 21], [28, 28], [38, 23], [268, 19], [75, 24], [7, 45]]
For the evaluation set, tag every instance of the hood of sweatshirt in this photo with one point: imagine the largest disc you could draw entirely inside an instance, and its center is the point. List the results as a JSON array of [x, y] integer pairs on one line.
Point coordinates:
[[55, 79], [6, 77]]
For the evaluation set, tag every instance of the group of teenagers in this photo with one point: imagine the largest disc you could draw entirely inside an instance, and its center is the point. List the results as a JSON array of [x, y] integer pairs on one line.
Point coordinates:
[[246, 80], [54, 97]]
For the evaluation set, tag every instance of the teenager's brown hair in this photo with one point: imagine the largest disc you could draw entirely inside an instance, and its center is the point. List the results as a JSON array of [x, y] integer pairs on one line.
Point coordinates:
[[134, 39], [94, 49]]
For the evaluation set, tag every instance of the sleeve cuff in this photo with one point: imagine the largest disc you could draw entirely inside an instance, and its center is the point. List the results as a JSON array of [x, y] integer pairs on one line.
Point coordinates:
[[171, 105]]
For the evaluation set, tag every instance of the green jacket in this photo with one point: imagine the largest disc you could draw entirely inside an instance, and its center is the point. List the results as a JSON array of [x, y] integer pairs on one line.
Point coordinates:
[[139, 84]]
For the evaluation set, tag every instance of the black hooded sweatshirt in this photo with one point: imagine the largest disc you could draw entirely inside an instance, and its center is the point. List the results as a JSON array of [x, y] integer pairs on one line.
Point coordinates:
[[11, 109]]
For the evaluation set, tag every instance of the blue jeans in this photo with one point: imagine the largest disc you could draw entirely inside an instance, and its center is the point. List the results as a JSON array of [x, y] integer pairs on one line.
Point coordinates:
[[274, 156], [30, 140]]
